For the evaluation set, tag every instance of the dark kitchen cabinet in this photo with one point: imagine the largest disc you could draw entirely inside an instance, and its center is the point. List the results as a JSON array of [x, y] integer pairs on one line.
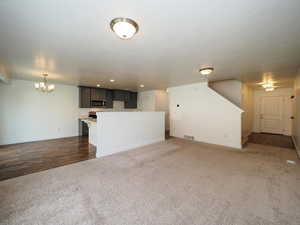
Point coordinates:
[[91, 97], [121, 95], [98, 94], [84, 129], [84, 97], [127, 96], [132, 102], [109, 99]]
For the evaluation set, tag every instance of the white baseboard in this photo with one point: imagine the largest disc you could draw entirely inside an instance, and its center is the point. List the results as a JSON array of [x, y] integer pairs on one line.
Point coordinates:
[[296, 146]]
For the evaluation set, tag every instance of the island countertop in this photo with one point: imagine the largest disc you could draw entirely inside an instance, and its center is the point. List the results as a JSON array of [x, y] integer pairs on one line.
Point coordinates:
[[88, 119]]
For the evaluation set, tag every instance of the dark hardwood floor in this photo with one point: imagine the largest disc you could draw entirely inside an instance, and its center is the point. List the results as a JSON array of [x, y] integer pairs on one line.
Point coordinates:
[[272, 139], [21, 159]]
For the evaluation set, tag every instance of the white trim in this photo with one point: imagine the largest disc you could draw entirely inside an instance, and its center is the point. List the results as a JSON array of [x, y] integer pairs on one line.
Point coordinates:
[[296, 146], [280, 92]]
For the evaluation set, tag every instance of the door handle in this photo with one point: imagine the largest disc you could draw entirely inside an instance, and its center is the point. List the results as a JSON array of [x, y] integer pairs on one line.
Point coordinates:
[[261, 116], [292, 117]]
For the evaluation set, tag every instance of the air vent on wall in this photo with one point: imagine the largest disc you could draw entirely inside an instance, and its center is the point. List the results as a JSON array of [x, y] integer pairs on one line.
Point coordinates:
[[189, 137]]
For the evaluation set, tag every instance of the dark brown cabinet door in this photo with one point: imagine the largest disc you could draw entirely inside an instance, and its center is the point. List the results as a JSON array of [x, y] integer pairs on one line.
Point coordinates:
[[98, 94], [132, 103], [84, 97], [85, 129], [121, 95], [109, 99]]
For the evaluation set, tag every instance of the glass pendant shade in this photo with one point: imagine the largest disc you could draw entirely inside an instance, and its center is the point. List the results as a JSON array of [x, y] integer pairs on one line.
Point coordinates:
[[44, 86], [124, 28]]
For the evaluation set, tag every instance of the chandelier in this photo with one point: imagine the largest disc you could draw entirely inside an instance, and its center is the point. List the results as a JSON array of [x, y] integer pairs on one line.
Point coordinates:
[[44, 86]]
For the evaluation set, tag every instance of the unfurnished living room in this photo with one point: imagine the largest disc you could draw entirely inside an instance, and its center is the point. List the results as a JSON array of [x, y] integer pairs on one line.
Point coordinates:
[[149, 112]]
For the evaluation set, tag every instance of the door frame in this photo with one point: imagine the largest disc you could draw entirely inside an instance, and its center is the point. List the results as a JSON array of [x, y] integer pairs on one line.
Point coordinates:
[[287, 113], [282, 114]]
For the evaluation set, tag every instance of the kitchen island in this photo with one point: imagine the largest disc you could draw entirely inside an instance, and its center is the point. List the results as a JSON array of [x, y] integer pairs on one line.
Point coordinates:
[[114, 132]]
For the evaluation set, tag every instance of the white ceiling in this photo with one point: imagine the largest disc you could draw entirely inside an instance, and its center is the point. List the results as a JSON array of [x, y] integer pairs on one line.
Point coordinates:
[[72, 41]]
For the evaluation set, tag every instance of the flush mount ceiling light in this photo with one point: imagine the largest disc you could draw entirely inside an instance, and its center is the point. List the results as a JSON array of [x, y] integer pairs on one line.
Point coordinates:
[[142, 85], [98, 85], [206, 70], [125, 28], [112, 80], [44, 86]]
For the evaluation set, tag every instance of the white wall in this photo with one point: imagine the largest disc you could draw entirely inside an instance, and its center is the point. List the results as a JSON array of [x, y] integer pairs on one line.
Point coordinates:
[[155, 100], [230, 89], [121, 131], [162, 105], [28, 115], [205, 115], [146, 101], [296, 121], [247, 104], [241, 95], [4, 76], [283, 92]]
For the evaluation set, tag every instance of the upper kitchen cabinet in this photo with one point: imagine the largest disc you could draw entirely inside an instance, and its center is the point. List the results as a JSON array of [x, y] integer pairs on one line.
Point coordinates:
[[109, 99], [121, 95], [91, 97], [132, 102], [84, 97], [98, 94]]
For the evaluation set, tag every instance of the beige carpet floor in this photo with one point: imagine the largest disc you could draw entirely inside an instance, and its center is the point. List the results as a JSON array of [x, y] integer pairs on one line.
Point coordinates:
[[177, 182]]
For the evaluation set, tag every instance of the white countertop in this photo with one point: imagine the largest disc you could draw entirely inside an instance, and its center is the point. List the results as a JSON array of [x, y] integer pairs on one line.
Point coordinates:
[[88, 119]]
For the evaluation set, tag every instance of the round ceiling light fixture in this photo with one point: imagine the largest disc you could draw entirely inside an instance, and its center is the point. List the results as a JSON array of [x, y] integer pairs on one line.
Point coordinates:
[[206, 70], [125, 28]]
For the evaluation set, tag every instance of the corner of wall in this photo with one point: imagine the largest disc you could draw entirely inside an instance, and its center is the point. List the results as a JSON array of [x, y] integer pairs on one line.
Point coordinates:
[[4, 76], [296, 114]]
